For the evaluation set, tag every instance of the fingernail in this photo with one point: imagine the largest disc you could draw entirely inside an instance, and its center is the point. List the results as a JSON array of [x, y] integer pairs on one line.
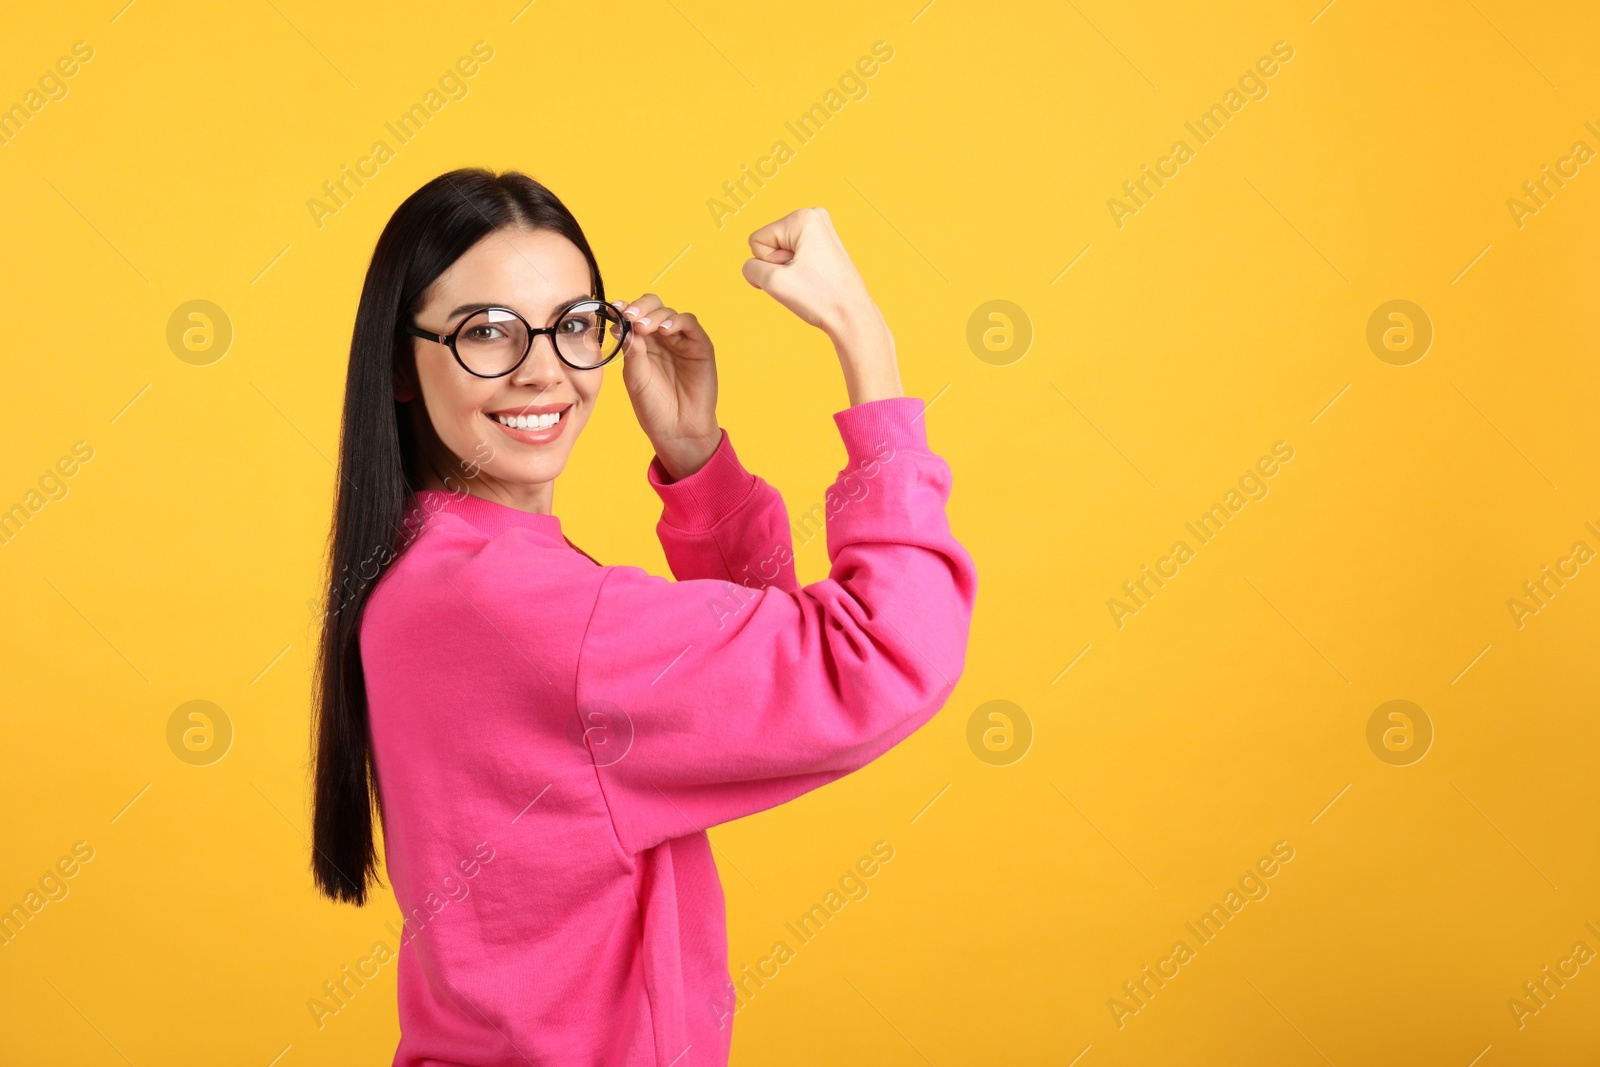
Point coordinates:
[[665, 323], [644, 322], [616, 303]]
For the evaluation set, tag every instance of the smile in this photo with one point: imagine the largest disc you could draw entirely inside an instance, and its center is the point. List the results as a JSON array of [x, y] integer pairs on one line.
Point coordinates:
[[532, 425]]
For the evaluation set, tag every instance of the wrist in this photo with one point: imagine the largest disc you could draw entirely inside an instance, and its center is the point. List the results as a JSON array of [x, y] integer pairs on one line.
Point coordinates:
[[685, 457], [866, 350]]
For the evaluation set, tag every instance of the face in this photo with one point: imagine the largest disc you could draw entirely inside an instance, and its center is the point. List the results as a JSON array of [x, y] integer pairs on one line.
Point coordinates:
[[457, 414]]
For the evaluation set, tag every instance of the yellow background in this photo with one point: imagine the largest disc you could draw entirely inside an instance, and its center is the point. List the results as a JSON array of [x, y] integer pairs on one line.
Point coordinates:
[[1228, 314]]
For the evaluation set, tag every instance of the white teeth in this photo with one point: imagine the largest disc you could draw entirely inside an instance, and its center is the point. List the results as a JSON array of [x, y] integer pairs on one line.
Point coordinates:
[[530, 422]]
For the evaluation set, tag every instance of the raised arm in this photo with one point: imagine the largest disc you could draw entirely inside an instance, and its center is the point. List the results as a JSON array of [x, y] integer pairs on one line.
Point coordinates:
[[722, 701]]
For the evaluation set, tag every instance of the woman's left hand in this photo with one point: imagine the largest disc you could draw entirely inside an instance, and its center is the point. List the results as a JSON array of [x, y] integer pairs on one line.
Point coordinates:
[[670, 371]]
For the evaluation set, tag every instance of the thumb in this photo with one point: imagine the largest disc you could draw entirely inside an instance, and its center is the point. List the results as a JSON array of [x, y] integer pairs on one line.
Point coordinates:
[[761, 274]]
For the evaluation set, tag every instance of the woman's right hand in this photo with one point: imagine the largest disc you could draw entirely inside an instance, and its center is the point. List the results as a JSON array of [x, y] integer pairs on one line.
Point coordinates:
[[800, 262]]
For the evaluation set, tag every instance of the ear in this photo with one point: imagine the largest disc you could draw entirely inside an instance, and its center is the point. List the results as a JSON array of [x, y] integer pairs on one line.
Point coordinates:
[[405, 380]]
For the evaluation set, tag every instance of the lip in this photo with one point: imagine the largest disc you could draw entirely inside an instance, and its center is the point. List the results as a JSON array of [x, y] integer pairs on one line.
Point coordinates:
[[530, 409], [531, 437]]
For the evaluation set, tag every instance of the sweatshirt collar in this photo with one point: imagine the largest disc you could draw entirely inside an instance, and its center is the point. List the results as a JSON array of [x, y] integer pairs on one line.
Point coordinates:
[[487, 515]]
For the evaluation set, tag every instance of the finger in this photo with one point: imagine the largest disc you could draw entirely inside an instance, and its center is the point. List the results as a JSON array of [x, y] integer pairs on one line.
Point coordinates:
[[651, 322], [683, 325], [777, 241], [760, 273], [642, 307]]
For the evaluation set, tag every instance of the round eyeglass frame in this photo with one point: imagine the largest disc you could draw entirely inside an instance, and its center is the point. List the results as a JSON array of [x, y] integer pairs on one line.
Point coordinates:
[[449, 339]]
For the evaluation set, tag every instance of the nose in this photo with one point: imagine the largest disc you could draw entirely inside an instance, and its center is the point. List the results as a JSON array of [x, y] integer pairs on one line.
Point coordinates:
[[542, 365]]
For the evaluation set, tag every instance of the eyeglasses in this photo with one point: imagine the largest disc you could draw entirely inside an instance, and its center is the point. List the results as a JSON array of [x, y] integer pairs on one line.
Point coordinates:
[[493, 341]]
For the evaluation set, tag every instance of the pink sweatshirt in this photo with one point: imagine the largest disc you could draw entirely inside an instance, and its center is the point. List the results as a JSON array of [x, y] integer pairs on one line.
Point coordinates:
[[553, 737]]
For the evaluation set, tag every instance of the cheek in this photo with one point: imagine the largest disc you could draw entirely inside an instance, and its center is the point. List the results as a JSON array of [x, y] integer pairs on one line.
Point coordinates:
[[454, 400]]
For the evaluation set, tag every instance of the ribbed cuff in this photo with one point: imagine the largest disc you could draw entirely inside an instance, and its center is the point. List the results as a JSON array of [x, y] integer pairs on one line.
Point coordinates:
[[707, 496], [883, 425]]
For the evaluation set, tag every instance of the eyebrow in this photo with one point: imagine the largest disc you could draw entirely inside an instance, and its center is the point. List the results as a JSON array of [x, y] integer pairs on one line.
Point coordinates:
[[466, 308]]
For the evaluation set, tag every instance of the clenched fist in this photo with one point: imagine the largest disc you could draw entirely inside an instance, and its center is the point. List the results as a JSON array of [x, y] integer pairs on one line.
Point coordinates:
[[800, 262]]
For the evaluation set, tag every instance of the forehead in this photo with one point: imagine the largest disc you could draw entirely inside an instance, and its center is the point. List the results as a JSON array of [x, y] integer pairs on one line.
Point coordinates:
[[533, 271]]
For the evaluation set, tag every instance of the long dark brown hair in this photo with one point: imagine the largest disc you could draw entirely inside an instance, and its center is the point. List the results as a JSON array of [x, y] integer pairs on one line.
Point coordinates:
[[378, 476]]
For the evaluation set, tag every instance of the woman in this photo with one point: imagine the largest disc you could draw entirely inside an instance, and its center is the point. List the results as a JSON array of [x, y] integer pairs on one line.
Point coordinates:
[[547, 738]]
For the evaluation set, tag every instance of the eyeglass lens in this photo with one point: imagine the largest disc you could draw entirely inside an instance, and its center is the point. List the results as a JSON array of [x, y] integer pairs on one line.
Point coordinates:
[[492, 341]]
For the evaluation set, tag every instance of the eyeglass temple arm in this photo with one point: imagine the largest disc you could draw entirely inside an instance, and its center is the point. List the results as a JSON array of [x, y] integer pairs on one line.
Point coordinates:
[[416, 331]]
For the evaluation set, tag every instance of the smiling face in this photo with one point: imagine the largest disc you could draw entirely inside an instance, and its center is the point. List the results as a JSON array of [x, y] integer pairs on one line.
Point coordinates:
[[459, 418]]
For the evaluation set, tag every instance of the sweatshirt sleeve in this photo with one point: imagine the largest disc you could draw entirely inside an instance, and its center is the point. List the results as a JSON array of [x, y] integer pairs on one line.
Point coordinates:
[[724, 522], [721, 700]]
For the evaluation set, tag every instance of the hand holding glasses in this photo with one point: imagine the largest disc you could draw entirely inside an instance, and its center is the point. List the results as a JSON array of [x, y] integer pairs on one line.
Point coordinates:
[[492, 342]]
